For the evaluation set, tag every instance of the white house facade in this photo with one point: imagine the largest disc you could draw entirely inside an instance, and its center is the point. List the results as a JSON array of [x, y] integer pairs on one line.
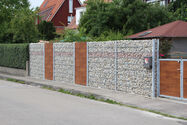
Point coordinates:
[[79, 12]]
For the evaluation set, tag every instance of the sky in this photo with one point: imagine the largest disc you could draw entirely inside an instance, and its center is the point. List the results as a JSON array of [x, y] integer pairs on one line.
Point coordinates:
[[35, 3]]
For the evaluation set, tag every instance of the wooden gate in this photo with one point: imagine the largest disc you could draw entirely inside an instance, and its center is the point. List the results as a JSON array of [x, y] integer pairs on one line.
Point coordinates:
[[170, 78], [173, 78], [81, 63]]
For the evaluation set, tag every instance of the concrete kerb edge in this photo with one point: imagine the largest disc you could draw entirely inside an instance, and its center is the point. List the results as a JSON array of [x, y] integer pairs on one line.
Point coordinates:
[[73, 91]]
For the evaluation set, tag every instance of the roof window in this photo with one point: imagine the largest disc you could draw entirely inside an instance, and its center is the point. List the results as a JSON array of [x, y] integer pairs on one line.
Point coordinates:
[[145, 33], [45, 4]]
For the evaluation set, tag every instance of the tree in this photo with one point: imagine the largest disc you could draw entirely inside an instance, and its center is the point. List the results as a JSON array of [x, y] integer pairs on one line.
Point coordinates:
[[142, 16], [23, 27], [179, 9], [17, 22], [124, 16], [8, 8], [95, 19], [47, 30]]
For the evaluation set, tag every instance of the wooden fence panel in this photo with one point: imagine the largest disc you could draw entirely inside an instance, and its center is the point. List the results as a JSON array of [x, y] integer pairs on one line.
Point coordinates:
[[81, 63], [49, 61], [185, 79]]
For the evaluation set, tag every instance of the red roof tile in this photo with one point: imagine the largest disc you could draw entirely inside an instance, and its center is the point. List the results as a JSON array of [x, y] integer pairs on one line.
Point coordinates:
[[49, 8], [173, 29]]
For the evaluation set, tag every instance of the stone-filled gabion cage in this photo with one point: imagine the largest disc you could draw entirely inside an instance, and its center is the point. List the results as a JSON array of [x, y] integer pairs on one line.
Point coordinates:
[[116, 65]]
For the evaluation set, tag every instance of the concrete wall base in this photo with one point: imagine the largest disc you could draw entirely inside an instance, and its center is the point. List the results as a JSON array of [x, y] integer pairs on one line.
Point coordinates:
[[13, 71]]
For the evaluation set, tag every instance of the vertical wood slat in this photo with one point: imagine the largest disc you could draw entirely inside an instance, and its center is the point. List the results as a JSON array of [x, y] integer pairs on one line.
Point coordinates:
[[185, 79], [49, 61], [170, 78], [81, 63]]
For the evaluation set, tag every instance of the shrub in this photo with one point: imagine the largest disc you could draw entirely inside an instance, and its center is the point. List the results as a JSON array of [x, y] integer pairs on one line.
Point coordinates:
[[73, 36], [22, 27], [14, 55], [78, 36], [109, 35], [47, 30]]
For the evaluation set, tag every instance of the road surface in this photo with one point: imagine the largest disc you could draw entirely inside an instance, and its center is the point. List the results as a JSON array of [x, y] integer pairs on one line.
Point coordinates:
[[28, 105]]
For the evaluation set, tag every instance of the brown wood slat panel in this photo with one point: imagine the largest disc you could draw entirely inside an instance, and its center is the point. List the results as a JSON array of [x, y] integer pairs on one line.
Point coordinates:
[[81, 63], [185, 79], [49, 61], [170, 78]]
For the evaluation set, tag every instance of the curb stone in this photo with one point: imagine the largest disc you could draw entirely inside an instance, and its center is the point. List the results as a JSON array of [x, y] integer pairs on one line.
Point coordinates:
[[73, 91]]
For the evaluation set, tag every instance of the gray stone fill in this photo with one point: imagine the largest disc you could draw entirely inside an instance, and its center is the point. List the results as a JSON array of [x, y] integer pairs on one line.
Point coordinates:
[[37, 60]]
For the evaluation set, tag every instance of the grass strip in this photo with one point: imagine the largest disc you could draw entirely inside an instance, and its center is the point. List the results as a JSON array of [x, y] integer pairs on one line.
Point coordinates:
[[91, 96], [15, 80]]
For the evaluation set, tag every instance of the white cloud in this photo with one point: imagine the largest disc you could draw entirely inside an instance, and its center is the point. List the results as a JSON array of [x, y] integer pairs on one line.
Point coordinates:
[[35, 3]]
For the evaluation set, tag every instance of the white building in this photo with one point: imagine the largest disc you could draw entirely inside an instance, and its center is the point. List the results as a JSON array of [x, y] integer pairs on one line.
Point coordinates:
[[162, 2]]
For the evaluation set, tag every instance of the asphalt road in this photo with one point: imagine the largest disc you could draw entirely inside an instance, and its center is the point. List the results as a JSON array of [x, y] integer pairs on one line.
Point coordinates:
[[27, 105]]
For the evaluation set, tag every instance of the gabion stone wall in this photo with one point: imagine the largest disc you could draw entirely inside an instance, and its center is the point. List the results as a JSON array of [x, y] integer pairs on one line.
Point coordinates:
[[132, 77], [119, 65], [64, 62], [116, 65], [37, 60], [101, 64]]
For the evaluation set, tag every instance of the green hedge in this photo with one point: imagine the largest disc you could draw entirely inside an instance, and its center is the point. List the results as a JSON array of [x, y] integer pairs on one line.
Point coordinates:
[[14, 55]]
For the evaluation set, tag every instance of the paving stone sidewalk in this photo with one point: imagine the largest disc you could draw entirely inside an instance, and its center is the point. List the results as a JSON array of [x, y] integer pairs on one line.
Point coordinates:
[[172, 107]]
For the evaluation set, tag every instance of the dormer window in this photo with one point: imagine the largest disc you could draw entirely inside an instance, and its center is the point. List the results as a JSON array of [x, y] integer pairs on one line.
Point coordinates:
[[45, 4], [70, 6]]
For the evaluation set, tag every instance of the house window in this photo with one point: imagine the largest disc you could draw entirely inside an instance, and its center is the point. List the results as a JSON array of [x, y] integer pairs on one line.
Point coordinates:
[[162, 3], [81, 14], [70, 18], [70, 6]]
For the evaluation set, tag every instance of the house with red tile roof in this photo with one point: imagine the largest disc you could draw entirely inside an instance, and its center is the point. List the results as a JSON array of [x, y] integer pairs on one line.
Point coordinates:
[[176, 29], [173, 34], [60, 12]]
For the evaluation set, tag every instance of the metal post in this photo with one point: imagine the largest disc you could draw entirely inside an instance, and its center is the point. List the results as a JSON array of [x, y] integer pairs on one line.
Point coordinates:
[[158, 69], [116, 66], [181, 79], [43, 61], [153, 68], [87, 78], [27, 68], [53, 61], [74, 62], [29, 60]]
